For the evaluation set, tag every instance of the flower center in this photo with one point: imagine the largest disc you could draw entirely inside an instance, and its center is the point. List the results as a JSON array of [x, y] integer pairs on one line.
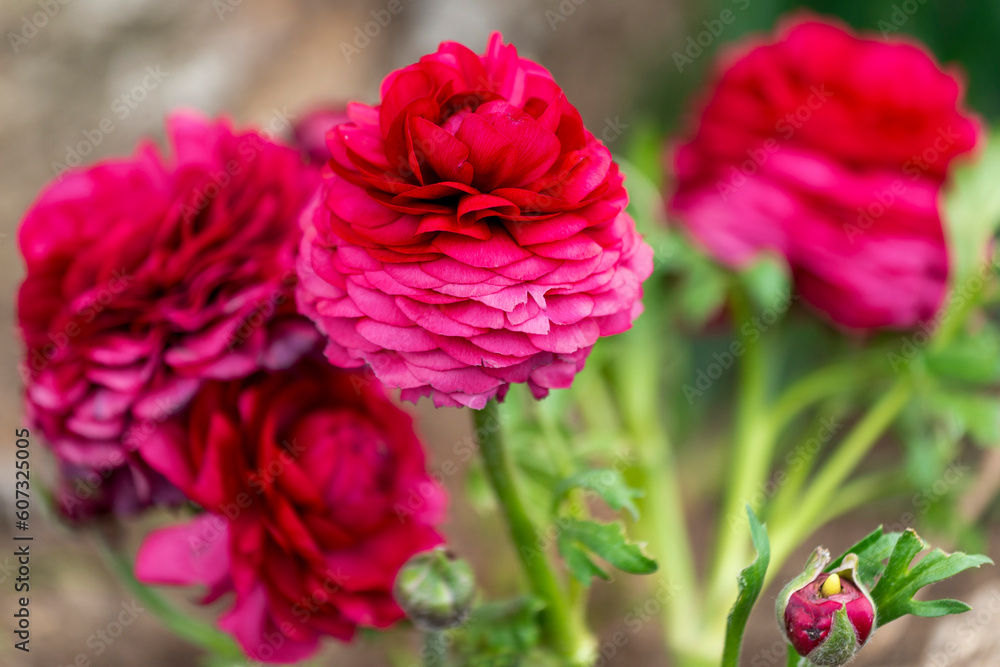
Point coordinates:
[[831, 586]]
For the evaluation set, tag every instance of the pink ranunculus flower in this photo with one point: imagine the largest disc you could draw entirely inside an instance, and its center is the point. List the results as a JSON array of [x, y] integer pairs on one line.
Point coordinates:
[[147, 275], [830, 149], [470, 233], [316, 494]]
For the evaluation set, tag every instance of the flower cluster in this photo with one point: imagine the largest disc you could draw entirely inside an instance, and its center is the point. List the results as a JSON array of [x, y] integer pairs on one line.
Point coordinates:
[[200, 326]]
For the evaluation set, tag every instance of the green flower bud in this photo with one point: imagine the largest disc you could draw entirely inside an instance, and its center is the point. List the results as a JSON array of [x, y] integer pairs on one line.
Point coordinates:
[[435, 590]]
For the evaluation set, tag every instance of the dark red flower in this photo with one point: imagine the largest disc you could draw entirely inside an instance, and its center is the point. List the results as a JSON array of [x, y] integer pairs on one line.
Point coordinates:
[[317, 494]]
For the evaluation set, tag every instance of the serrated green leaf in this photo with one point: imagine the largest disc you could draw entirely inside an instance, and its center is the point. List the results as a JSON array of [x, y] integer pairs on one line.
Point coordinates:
[[578, 539], [610, 485], [872, 552], [893, 594], [751, 582]]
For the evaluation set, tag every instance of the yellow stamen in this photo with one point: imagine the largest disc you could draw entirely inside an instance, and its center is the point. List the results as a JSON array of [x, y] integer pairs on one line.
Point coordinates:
[[831, 586]]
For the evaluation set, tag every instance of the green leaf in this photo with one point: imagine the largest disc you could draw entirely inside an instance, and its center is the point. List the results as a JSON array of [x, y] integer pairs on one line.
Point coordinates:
[[702, 292], [499, 633], [872, 552], [893, 594], [610, 485], [578, 539], [979, 414], [969, 358], [751, 582], [768, 282]]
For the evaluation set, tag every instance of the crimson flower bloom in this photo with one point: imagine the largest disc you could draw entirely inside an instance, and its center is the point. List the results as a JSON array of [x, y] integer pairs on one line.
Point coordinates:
[[831, 150], [146, 275], [316, 493], [470, 233]]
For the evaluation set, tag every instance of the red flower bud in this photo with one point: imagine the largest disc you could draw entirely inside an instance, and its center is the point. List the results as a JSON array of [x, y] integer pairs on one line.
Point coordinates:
[[827, 616]]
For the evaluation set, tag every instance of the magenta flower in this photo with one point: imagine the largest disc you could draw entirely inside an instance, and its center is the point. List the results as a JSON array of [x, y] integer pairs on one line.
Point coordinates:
[[146, 275], [827, 616], [317, 494], [830, 150], [470, 233]]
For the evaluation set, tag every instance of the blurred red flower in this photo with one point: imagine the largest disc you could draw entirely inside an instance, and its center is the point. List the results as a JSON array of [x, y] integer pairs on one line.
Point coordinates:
[[830, 149]]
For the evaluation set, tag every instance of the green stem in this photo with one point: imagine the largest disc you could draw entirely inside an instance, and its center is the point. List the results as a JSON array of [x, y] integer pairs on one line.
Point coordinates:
[[786, 536], [813, 387], [435, 650], [193, 630], [752, 452], [562, 631], [801, 461], [636, 377]]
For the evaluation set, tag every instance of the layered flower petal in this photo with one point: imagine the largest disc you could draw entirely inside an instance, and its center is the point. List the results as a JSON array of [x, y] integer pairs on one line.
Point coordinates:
[[451, 212], [316, 494], [147, 275]]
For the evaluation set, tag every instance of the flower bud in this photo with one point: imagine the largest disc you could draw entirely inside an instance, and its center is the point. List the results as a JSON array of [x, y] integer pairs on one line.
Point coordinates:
[[827, 616], [435, 590]]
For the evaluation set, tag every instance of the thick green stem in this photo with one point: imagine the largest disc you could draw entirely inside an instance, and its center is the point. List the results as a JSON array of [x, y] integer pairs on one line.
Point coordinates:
[[787, 535], [563, 630], [637, 392], [751, 458], [664, 526], [435, 651], [190, 629]]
